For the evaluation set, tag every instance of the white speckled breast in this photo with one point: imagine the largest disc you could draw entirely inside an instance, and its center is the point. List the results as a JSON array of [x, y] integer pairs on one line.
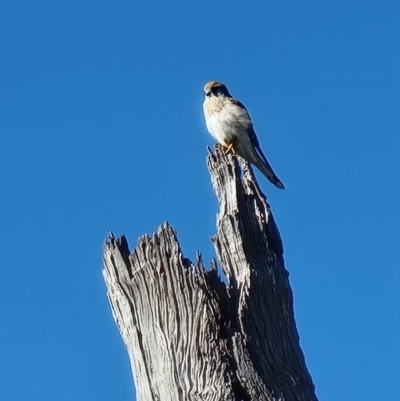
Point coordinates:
[[225, 120], [219, 126]]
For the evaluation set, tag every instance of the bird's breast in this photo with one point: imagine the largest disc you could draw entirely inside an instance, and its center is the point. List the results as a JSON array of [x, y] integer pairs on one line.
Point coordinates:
[[222, 127]]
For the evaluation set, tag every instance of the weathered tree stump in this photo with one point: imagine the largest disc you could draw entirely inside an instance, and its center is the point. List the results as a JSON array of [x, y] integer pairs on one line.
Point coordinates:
[[190, 335]]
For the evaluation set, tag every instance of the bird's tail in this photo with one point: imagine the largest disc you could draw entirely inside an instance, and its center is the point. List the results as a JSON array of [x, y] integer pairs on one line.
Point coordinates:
[[251, 151], [256, 156], [263, 165]]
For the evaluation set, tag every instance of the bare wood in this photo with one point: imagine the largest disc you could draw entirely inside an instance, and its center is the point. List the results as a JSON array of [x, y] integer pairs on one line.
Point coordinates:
[[189, 335]]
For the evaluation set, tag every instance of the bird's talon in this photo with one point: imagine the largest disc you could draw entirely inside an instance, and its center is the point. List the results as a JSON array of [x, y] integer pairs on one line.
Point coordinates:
[[229, 149]]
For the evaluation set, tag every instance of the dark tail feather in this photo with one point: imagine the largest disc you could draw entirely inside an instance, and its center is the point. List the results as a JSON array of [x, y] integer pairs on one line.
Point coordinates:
[[254, 155], [262, 164], [272, 177]]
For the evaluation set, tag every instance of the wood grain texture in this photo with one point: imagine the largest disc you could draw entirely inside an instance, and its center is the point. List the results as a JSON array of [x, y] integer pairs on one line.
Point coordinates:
[[192, 336]]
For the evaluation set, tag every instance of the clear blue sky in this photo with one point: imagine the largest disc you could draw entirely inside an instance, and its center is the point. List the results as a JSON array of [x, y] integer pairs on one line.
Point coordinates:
[[102, 129]]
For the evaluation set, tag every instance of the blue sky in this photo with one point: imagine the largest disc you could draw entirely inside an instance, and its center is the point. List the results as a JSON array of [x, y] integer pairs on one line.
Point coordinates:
[[101, 129]]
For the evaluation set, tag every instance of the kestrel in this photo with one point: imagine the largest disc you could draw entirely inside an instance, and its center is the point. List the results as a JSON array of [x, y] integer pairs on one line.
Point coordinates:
[[229, 122]]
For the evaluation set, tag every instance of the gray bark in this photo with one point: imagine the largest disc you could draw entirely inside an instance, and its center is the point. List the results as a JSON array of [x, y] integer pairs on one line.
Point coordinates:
[[192, 336]]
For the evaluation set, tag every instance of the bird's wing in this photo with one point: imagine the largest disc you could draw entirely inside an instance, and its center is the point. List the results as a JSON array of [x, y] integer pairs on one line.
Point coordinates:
[[253, 138], [254, 141], [241, 114], [238, 112]]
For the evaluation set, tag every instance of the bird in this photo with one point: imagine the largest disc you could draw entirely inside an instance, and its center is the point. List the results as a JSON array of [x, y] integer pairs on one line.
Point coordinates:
[[229, 122]]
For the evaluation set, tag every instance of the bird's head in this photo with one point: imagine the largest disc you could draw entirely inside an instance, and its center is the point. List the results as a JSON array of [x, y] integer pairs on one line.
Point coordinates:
[[215, 88]]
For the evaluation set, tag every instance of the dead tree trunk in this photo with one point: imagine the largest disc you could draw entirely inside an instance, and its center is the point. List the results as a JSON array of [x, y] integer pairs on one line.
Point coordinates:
[[191, 336]]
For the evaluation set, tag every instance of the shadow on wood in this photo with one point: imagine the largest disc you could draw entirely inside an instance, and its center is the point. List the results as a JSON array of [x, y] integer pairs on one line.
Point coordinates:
[[189, 335]]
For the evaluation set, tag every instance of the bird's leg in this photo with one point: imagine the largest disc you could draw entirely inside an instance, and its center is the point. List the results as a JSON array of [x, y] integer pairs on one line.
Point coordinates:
[[230, 148]]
